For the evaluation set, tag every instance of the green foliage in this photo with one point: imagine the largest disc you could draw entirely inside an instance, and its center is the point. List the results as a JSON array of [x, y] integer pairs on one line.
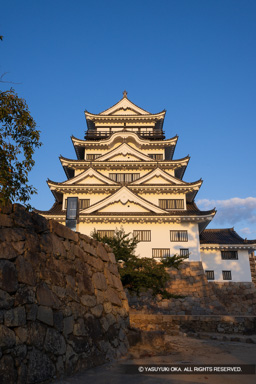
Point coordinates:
[[139, 274], [18, 140]]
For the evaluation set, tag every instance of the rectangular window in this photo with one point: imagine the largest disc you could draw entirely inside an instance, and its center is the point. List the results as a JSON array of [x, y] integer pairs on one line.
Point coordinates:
[[108, 233], [226, 275], [84, 203], [179, 235], [229, 255], [72, 205], [142, 235], [160, 252], [92, 156], [72, 211], [184, 252], [209, 275], [156, 156], [124, 177], [171, 203]]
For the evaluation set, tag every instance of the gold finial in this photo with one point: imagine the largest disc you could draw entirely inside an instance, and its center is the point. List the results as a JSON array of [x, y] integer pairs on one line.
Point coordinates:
[[124, 94]]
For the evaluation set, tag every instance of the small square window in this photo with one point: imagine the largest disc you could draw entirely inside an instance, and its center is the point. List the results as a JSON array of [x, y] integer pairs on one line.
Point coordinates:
[[184, 252], [209, 275], [226, 275]]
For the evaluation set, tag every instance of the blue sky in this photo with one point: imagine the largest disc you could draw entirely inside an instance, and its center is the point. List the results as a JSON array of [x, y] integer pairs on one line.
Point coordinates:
[[195, 58]]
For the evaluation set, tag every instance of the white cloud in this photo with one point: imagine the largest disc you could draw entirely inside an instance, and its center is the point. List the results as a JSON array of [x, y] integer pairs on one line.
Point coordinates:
[[233, 211]]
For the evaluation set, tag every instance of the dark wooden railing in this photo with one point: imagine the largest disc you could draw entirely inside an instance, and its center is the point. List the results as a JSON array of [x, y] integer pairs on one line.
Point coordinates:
[[98, 135]]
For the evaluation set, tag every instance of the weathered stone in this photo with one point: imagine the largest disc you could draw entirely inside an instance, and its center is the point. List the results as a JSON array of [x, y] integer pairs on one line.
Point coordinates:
[[25, 271], [112, 257], [7, 251], [58, 320], [5, 220], [6, 301], [90, 249], [22, 374], [107, 307], [59, 291], [24, 295], [15, 317], [54, 342], [95, 262], [117, 283], [22, 334], [21, 217], [97, 311], [36, 334], [40, 367], [63, 231], [88, 301], [99, 281], [102, 253], [31, 310], [72, 294], [71, 281], [8, 373], [8, 276], [80, 344], [70, 359], [79, 328], [68, 325], [45, 315], [32, 243], [46, 297], [7, 337], [112, 296], [41, 224]]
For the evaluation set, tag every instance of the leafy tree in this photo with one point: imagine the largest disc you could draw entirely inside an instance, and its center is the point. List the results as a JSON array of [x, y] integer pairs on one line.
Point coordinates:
[[18, 140], [139, 274]]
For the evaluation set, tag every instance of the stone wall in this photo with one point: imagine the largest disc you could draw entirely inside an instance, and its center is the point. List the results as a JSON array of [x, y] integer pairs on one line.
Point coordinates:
[[197, 296], [62, 304]]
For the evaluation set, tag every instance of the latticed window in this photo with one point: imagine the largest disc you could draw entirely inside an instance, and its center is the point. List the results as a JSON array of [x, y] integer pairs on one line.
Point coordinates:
[[209, 275], [156, 156], [124, 177], [226, 275], [108, 233], [92, 156], [171, 203], [229, 255], [160, 252], [184, 252], [179, 235], [142, 235], [84, 203]]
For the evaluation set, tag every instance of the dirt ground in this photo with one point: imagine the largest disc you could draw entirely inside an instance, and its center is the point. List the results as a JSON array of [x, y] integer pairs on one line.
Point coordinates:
[[182, 350]]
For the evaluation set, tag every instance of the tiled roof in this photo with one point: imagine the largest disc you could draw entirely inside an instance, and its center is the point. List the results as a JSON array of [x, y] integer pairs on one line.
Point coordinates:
[[223, 236], [191, 210]]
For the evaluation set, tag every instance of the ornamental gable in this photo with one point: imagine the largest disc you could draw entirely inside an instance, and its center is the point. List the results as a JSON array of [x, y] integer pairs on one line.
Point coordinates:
[[127, 207], [123, 152], [124, 107], [90, 176], [124, 196], [158, 176]]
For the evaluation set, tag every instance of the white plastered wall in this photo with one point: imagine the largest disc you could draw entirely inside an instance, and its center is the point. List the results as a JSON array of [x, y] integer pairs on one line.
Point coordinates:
[[160, 236], [240, 269]]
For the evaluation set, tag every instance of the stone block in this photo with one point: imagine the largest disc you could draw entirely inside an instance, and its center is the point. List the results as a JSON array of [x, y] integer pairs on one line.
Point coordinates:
[[6, 301], [79, 328], [8, 372], [36, 334], [80, 344], [97, 310], [41, 224], [25, 271], [45, 315], [68, 323], [54, 342], [63, 231], [8, 276], [102, 253], [46, 297], [99, 281], [89, 248], [88, 301], [112, 257], [5, 220], [40, 367], [31, 310], [22, 334], [113, 297], [95, 262], [58, 320], [15, 317], [7, 337], [7, 251]]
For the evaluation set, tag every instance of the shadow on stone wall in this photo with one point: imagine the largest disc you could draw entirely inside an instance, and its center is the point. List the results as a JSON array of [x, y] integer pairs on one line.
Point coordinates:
[[62, 304]]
